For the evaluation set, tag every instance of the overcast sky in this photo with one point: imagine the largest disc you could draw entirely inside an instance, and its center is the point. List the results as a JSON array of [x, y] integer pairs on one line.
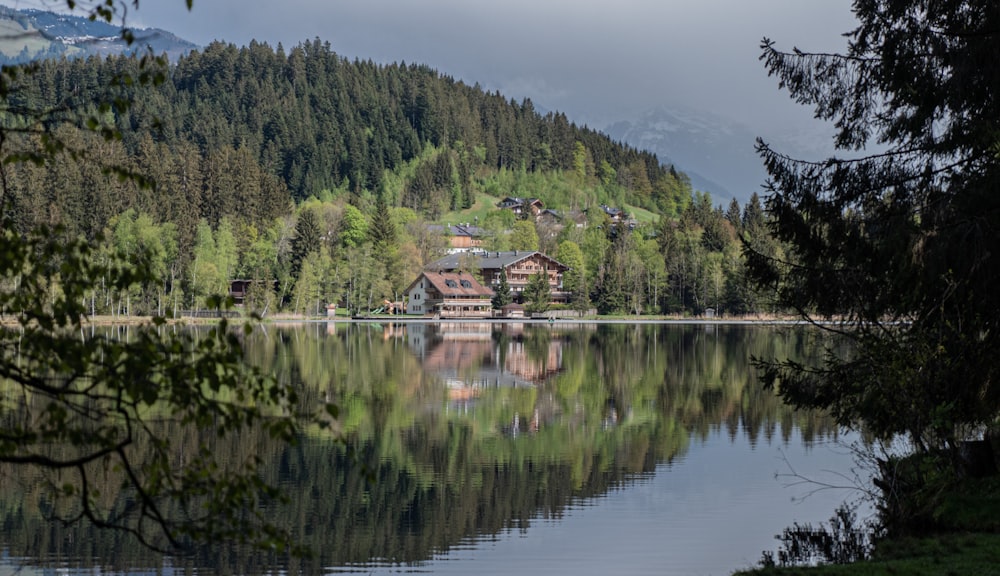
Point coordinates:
[[596, 61]]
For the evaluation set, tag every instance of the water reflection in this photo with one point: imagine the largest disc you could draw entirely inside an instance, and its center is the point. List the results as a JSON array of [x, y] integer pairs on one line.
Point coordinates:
[[471, 430]]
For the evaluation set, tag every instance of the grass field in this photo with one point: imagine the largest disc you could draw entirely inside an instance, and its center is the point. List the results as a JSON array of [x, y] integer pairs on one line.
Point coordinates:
[[965, 540]]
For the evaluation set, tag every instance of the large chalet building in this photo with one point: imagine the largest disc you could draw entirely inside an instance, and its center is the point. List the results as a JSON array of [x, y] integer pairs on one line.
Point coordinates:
[[519, 265], [448, 295]]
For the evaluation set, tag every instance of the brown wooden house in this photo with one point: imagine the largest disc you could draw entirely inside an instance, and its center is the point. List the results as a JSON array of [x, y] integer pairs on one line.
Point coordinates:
[[519, 265], [461, 237], [448, 295]]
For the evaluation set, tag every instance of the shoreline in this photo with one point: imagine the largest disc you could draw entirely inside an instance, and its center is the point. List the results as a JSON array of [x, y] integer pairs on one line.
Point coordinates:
[[402, 319]]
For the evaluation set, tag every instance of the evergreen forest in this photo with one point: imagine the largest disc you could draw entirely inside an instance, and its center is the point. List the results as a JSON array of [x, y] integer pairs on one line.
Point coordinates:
[[316, 177]]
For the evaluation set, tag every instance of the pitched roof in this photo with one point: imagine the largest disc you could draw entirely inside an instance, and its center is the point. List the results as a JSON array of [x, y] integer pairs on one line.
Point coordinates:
[[457, 230], [451, 284], [490, 260], [512, 201]]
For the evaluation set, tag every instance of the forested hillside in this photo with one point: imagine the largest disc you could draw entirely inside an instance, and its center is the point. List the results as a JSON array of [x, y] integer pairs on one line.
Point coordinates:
[[314, 172]]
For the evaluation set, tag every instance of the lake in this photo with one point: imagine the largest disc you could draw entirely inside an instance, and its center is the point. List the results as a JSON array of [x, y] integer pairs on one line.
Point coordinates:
[[510, 448]]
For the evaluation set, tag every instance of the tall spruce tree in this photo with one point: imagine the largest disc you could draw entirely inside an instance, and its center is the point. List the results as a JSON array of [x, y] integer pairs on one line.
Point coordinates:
[[902, 245], [306, 240], [383, 230], [502, 295], [537, 294]]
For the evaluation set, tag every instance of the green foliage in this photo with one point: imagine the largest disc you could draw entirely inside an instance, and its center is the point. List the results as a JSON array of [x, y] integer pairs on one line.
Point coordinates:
[[382, 231], [523, 236], [110, 404], [502, 295], [84, 410], [537, 294], [959, 535], [353, 229], [671, 386], [207, 279], [574, 279], [306, 240]]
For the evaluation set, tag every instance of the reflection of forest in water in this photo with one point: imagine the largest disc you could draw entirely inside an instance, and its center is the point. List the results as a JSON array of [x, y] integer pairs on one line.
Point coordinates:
[[468, 429]]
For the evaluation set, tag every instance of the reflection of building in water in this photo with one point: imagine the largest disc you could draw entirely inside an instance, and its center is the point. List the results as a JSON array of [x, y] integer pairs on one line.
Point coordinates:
[[534, 366], [466, 355]]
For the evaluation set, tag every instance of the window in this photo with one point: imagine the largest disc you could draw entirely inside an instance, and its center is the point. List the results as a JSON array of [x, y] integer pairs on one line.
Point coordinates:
[[450, 284], [466, 284]]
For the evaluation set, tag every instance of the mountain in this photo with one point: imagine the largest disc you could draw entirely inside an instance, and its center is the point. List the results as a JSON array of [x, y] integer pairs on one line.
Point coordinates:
[[716, 153], [27, 35]]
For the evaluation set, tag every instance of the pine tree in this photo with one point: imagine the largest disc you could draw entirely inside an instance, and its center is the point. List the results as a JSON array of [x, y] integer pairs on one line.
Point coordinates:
[[383, 230], [502, 295], [537, 295], [306, 240], [902, 245]]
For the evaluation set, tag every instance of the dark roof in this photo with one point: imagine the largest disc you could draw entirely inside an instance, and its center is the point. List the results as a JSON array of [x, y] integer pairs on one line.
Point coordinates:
[[511, 201], [453, 284], [489, 260], [457, 230]]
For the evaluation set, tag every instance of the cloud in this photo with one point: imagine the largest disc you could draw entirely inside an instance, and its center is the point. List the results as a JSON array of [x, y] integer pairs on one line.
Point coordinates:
[[597, 61]]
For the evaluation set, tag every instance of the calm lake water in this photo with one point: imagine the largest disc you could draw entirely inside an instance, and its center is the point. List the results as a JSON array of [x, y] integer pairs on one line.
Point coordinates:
[[511, 449]]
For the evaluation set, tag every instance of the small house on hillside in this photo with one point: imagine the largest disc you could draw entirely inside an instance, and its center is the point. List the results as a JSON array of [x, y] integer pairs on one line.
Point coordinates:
[[522, 206], [461, 237], [616, 214], [449, 295], [620, 217]]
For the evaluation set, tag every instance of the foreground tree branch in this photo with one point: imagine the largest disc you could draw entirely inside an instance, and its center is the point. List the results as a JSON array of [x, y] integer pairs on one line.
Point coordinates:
[[903, 244], [89, 408]]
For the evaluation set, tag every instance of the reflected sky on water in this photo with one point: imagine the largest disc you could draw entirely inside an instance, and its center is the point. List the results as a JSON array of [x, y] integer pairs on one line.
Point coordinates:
[[518, 448], [710, 512]]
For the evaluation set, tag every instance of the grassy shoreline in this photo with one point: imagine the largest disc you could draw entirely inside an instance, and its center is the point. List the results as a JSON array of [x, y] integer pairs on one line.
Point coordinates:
[[963, 537]]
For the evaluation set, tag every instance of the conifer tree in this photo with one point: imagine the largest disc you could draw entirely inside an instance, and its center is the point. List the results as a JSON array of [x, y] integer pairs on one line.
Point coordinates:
[[902, 244], [383, 230], [502, 295], [306, 240], [537, 294]]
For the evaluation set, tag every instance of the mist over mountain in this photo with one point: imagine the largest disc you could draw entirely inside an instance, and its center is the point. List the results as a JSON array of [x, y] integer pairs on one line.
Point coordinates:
[[716, 153], [28, 35]]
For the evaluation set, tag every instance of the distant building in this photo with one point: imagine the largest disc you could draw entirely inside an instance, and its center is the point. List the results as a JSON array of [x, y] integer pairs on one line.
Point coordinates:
[[550, 216], [522, 206], [519, 265], [619, 217], [448, 295], [616, 214], [461, 237], [238, 290]]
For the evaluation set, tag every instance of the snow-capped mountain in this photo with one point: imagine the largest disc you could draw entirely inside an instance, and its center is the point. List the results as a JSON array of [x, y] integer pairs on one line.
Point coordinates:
[[27, 35]]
